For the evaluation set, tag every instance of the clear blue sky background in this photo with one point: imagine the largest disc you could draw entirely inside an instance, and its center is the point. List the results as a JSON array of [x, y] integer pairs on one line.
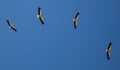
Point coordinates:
[[56, 45]]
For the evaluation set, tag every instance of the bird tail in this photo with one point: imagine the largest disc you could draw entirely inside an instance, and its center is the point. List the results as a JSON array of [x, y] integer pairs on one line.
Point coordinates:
[[106, 50], [73, 19], [38, 16]]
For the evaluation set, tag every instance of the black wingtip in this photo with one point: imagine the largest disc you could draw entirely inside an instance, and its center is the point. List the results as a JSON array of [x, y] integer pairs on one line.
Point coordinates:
[[78, 13], [7, 21], [16, 30], [108, 58], [75, 27], [110, 43], [39, 8], [42, 22]]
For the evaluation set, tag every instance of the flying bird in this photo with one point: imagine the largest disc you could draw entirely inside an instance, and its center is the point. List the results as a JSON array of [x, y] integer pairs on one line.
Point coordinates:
[[108, 50], [11, 25], [40, 16], [75, 20]]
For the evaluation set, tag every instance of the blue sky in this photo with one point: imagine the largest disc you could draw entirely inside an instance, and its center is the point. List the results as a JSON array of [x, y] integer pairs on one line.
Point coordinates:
[[56, 45]]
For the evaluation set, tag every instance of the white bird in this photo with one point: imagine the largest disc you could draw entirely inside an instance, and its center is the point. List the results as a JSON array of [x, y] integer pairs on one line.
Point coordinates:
[[11, 25], [75, 20], [108, 50], [40, 16]]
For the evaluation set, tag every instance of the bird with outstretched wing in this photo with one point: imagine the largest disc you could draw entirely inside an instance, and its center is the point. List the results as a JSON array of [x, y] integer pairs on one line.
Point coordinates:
[[108, 50], [40, 16], [11, 25], [75, 20]]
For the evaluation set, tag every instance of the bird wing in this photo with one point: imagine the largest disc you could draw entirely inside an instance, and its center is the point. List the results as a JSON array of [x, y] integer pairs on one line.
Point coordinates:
[[39, 10], [13, 27], [77, 15], [8, 22], [109, 50], [41, 17], [108, 55], [75, 24], [76, 20], [109, 46]]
